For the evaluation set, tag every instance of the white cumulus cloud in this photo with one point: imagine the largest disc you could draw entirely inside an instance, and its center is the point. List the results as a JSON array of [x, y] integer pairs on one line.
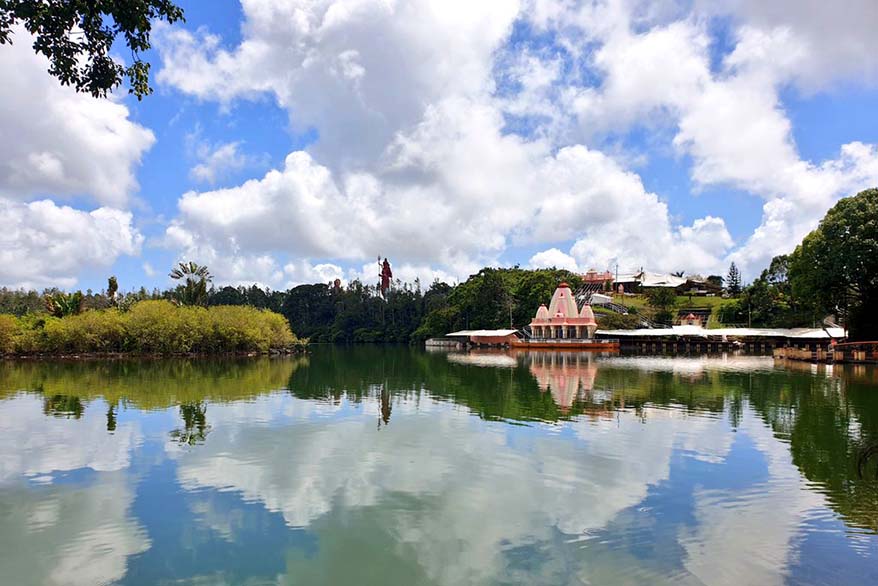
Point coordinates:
[[216, 162], [43, 244], [553, 257]]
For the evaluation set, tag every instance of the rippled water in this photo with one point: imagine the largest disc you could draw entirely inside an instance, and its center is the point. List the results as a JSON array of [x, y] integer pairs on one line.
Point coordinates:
[[399, 466]]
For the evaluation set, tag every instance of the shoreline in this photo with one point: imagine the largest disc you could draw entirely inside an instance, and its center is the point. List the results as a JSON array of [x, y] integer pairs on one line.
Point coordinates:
[[76, 356]]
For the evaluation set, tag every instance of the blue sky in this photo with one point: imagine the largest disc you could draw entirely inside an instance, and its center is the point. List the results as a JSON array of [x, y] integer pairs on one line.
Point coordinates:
[[294, 141]]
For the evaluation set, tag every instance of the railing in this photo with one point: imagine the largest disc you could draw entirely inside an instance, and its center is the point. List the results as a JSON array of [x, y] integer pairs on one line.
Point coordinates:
[[856, 352], [575, 340], [868, 346], [615, 307], [844, 352], [584, 293]]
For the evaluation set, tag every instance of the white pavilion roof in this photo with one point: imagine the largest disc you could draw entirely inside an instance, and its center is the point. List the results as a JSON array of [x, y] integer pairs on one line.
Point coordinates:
[[463, 333], [698, 331]]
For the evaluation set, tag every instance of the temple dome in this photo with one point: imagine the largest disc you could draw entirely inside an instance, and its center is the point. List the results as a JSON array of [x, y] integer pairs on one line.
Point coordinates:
[[588, 315], [563, 303], [543, 312]]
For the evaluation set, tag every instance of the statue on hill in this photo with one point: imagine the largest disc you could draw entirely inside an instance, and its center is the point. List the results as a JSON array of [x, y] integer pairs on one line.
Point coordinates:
[[385, 275]]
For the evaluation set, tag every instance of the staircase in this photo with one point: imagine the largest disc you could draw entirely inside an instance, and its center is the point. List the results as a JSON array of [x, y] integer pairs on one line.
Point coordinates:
[[584, 293], [644, 321]]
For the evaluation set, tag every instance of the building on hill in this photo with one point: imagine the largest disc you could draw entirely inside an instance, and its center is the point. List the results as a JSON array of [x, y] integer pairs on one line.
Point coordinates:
[[627, 282], [637, 282], [699, 288], [601, 281], [644, 280], [661, 281]]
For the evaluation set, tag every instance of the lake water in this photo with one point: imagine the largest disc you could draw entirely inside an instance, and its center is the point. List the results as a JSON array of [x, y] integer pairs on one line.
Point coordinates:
[[397, 466]]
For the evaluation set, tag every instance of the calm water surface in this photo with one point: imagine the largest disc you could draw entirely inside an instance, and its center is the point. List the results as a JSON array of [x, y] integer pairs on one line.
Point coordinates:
[[401, 467]]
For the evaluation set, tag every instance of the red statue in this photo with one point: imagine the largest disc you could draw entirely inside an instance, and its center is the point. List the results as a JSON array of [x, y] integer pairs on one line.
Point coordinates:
[[385, 275]]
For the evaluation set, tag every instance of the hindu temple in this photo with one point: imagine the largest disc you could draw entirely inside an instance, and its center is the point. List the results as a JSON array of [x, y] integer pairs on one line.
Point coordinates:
[[562, 319]]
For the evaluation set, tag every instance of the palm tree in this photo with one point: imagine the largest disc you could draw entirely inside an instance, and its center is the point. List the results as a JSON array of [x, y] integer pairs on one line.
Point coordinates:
[[195, 278], [195, 427]]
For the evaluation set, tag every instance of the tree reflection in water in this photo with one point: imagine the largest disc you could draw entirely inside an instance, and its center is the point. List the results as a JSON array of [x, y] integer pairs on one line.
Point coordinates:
[[66, 406], [111, 417], [195, 427], [385, 406]]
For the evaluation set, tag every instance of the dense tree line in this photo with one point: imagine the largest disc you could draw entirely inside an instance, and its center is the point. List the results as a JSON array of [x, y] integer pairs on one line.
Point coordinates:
[[835, 269], [492, 298]]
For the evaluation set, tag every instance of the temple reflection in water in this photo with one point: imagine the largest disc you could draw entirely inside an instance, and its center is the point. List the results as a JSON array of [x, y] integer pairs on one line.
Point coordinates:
[[570, 378]]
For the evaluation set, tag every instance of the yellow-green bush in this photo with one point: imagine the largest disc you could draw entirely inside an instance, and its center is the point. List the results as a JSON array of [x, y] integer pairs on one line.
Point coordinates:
[[8, 331], [92, 331], [151, 327], [162, 327], [30, 337], [246, 328]]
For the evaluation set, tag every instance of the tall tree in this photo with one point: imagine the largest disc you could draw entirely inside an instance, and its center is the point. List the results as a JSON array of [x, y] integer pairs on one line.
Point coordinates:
[[112, 289], [835, 269], [733, 280], [78, 35]]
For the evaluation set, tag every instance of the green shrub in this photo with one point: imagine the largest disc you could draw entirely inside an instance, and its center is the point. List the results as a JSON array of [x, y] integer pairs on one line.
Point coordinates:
[[618, 321]]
